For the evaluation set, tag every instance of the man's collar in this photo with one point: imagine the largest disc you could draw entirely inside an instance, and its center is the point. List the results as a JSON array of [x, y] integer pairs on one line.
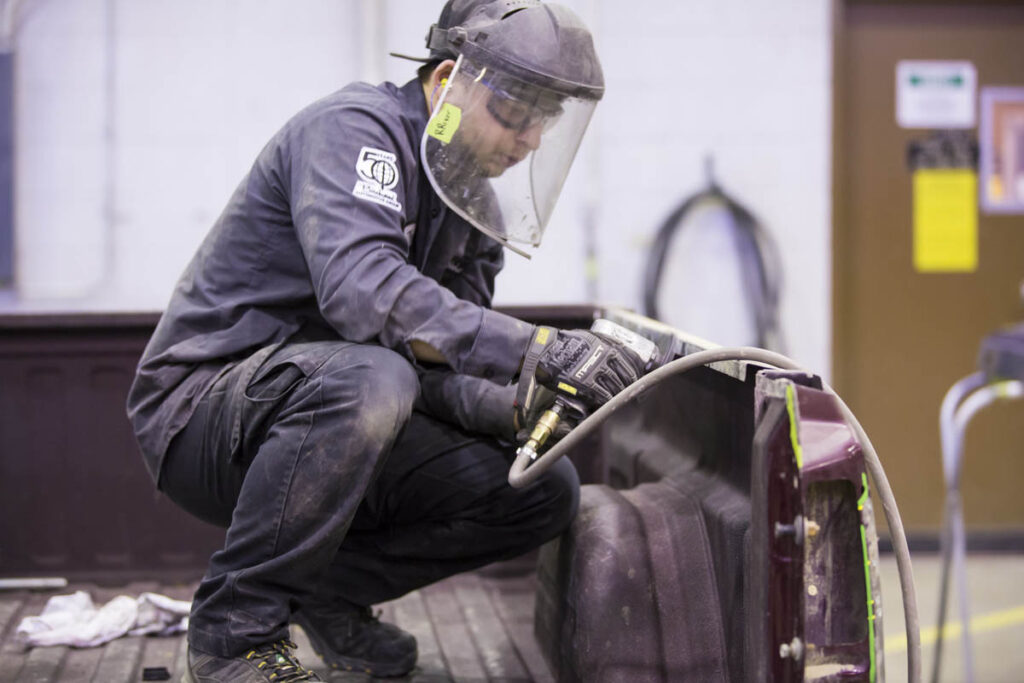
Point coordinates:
[[414, 103]]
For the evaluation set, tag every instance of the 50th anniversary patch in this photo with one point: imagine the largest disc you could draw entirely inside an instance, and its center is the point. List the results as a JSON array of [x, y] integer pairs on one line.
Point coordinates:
[[378, 175]]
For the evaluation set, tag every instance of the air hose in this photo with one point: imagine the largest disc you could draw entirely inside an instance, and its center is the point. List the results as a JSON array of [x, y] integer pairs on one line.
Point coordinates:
[[521, 475]]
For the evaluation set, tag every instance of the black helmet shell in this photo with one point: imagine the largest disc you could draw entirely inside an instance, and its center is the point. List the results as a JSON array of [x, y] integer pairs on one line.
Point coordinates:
[[543, 44]]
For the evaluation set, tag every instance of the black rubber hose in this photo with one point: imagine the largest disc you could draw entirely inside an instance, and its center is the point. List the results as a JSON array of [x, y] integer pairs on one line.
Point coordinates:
[[760, 263], [656, 255]]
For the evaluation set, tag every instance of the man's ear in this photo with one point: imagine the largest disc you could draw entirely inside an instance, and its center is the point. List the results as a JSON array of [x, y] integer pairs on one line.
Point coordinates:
[[442, 73]]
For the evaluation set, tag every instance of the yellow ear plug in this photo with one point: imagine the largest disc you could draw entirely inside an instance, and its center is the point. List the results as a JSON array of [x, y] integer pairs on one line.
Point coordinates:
[[444, 82]]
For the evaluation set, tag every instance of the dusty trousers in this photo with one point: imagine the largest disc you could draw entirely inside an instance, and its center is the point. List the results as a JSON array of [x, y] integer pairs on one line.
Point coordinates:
[[332, 487]]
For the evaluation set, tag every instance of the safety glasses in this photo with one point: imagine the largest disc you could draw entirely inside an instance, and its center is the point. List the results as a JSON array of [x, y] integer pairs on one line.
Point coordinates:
[[516, 114]]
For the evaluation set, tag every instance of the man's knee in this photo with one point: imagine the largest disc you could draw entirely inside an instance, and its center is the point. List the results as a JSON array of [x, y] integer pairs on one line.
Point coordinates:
[[374, 384], [541, 511]]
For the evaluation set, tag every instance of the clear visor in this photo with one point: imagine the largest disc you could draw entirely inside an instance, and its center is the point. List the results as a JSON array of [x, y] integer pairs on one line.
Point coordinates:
[[497, 150]]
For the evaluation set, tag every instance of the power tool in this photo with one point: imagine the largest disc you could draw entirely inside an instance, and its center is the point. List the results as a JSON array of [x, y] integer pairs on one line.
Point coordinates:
[[565, 404]]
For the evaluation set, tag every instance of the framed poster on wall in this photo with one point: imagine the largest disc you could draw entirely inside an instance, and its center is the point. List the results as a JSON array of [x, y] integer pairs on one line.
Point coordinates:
[[1001, 143]]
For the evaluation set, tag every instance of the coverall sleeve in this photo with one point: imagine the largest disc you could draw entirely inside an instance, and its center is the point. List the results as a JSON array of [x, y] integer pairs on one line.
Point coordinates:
[[350, 231], [476, 281]]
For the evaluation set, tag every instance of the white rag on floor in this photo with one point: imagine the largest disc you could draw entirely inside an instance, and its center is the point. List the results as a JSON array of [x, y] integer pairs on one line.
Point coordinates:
[[74, 619]]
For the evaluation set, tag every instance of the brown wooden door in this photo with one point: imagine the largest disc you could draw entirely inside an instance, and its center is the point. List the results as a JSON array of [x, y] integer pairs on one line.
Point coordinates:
[[902, 338]]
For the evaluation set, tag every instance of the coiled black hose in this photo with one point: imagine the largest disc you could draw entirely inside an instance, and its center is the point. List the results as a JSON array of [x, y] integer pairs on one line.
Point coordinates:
[[760, 263]]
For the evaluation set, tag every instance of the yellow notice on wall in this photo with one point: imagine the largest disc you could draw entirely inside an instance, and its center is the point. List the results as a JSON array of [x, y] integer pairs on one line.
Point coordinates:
[[945, 220]]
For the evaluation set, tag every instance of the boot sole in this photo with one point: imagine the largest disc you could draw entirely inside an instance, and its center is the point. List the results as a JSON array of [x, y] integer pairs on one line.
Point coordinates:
[[336, 661]]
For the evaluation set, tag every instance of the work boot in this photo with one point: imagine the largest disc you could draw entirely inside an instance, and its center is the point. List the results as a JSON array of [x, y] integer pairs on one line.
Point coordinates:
[[352, 638], [271, 662]]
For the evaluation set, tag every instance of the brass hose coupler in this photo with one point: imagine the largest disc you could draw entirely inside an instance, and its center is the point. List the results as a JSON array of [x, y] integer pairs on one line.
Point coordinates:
[[544, 428]]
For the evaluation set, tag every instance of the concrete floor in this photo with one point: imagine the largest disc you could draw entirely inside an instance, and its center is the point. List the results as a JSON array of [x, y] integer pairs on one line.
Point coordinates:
[[996, 587]]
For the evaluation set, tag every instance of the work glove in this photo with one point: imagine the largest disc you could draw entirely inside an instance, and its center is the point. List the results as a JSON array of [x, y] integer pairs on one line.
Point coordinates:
[[585, 367]]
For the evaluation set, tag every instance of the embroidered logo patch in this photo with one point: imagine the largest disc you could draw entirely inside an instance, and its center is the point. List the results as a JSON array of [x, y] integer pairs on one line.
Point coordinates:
[[378, 175]]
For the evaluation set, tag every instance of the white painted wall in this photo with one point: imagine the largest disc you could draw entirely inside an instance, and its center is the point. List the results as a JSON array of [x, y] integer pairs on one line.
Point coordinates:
[[136, 118], [135, 121]]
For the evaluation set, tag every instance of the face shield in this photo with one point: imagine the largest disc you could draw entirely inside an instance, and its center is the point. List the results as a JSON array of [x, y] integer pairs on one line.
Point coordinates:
[[498, 147]]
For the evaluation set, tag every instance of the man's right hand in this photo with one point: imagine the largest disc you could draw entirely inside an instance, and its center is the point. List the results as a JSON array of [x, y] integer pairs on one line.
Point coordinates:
[[588, 367]]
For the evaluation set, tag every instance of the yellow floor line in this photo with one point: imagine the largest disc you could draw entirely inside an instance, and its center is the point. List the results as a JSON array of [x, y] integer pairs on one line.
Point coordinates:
[[979, 624]]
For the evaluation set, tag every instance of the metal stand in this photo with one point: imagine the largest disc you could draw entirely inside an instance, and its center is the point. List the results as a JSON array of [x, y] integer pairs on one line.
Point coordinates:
[[962, 402]]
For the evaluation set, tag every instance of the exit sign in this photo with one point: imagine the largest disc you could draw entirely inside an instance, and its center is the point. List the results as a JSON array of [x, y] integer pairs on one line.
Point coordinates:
[[935, 94]]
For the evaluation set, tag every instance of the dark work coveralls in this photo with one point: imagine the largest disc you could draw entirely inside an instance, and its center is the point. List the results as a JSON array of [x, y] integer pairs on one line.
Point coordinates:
[[279, 397]]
